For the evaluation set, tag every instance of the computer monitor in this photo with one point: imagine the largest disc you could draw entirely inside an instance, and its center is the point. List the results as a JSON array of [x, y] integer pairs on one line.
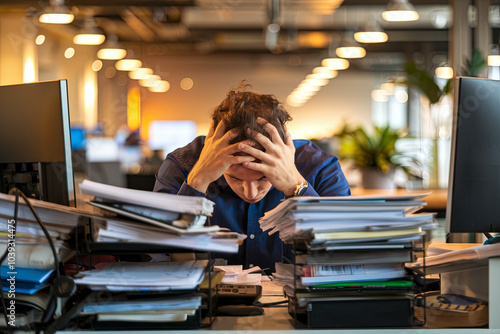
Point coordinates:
[[35, 141], [473, 204]]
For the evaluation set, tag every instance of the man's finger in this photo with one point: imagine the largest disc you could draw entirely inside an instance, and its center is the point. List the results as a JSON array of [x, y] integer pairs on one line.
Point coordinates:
[[220, 130], [211, 131], [289, 140], [270, 129]]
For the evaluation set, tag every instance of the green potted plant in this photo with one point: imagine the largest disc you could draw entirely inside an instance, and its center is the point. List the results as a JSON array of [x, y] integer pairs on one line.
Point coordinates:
[[434, 94], [375, 155]]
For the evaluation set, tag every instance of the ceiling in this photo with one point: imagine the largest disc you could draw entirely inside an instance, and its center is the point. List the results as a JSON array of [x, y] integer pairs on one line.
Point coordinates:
[[173, 27]]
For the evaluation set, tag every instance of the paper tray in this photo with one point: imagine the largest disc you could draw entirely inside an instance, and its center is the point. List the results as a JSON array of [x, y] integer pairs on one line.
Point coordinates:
[[355, 313]]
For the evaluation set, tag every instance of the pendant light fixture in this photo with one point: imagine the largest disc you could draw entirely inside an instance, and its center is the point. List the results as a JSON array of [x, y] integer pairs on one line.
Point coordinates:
[[494, 56], [111, 49], [349, 48], [128, 64], [336, 64], [90, 34], [400, 11], [444, 71], [372, 32], [56, 13]]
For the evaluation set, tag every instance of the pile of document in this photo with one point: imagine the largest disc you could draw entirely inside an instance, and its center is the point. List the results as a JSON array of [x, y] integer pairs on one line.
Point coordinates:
[[31, 245], [151, 295], [350, 250], [170, 220], [28, 270], [139, 293]]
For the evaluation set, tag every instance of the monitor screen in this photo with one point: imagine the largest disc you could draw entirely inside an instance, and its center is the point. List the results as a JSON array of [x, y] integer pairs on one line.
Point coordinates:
[[170, 135], [473, 204], [35, 149]]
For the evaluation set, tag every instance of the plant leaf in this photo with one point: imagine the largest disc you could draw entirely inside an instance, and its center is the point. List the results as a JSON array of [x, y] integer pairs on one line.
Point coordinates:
[[474, 64], [423, 81]]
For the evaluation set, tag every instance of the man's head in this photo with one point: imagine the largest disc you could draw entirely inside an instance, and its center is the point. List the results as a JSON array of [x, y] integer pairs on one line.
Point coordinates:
[[240, 109], [239, 112]]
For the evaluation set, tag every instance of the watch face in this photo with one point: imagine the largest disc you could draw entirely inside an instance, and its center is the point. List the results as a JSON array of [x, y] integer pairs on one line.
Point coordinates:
[[301, 189]]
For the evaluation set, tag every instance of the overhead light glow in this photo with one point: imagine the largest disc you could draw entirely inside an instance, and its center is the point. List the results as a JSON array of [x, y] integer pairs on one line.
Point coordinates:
[[161, 86], [400, 11], [444, 72], [128, 64], [40, 39], [89, 39], [336, 64], [325, 72], [111, 50], [140, 73]]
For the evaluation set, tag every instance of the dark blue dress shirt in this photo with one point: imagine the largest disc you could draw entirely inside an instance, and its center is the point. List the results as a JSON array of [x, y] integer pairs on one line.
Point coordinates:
[[321, 170]]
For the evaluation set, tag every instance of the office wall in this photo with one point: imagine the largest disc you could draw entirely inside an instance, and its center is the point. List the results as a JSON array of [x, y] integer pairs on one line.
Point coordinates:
[[12, 39], [345, 98]]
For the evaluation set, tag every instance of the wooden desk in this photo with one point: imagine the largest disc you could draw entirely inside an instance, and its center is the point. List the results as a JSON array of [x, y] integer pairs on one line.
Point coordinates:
[[436, 200], [277, 320]]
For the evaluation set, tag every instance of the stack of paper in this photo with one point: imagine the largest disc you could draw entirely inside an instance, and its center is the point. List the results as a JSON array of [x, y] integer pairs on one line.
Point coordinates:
[[144, 292], [174, 221], [349, 247], [348, 218], [32, 247], [145, 276], [131, 313]]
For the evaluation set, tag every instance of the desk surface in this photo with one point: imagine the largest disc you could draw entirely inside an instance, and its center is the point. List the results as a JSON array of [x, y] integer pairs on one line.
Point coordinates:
[[436, 200], [277, 320]]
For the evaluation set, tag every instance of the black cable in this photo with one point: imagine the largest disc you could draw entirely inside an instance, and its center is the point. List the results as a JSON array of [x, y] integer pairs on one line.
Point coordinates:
[[271, 304], [4, 256], [50, 310], [45, 232]]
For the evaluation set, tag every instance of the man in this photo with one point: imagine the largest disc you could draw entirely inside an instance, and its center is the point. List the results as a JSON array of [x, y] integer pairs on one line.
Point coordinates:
[[247, 164]]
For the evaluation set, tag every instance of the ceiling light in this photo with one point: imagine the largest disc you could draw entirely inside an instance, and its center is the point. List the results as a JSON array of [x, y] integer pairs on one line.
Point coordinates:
[[150, 81], [140, 73], [494, 56], [325, 72], [322, 75], [161, 86], [444, 72], [89, 34], [336, 64], [128, 64], [56, 13], [388, 87], [379, 95], [348, 48], [111, 50], [399, 11], [315, 80], [494, 60], [371, 33]]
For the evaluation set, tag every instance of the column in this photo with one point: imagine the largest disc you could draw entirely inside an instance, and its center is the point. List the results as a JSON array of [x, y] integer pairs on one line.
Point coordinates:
[[482, 33], [460, 47]]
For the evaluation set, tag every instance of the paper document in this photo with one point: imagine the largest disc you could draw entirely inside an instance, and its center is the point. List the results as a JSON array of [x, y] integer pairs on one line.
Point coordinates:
[[145, 304], [114, 231], [170, 275], [457, 260], [173, 226], [176, 203], [353, 278]]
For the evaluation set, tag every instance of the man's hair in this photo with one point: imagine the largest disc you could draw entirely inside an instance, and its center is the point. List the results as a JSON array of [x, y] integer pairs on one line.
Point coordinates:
[[240, 110]]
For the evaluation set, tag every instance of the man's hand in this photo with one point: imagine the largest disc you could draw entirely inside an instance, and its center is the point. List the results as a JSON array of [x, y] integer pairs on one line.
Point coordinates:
[[277, 163], [216, 157]]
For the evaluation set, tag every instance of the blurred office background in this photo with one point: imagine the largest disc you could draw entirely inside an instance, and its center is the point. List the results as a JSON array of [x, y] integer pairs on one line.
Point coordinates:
[[192, 52]]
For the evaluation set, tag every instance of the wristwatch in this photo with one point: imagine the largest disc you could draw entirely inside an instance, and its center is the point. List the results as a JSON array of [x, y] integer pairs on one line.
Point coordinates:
[[300, 189]]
